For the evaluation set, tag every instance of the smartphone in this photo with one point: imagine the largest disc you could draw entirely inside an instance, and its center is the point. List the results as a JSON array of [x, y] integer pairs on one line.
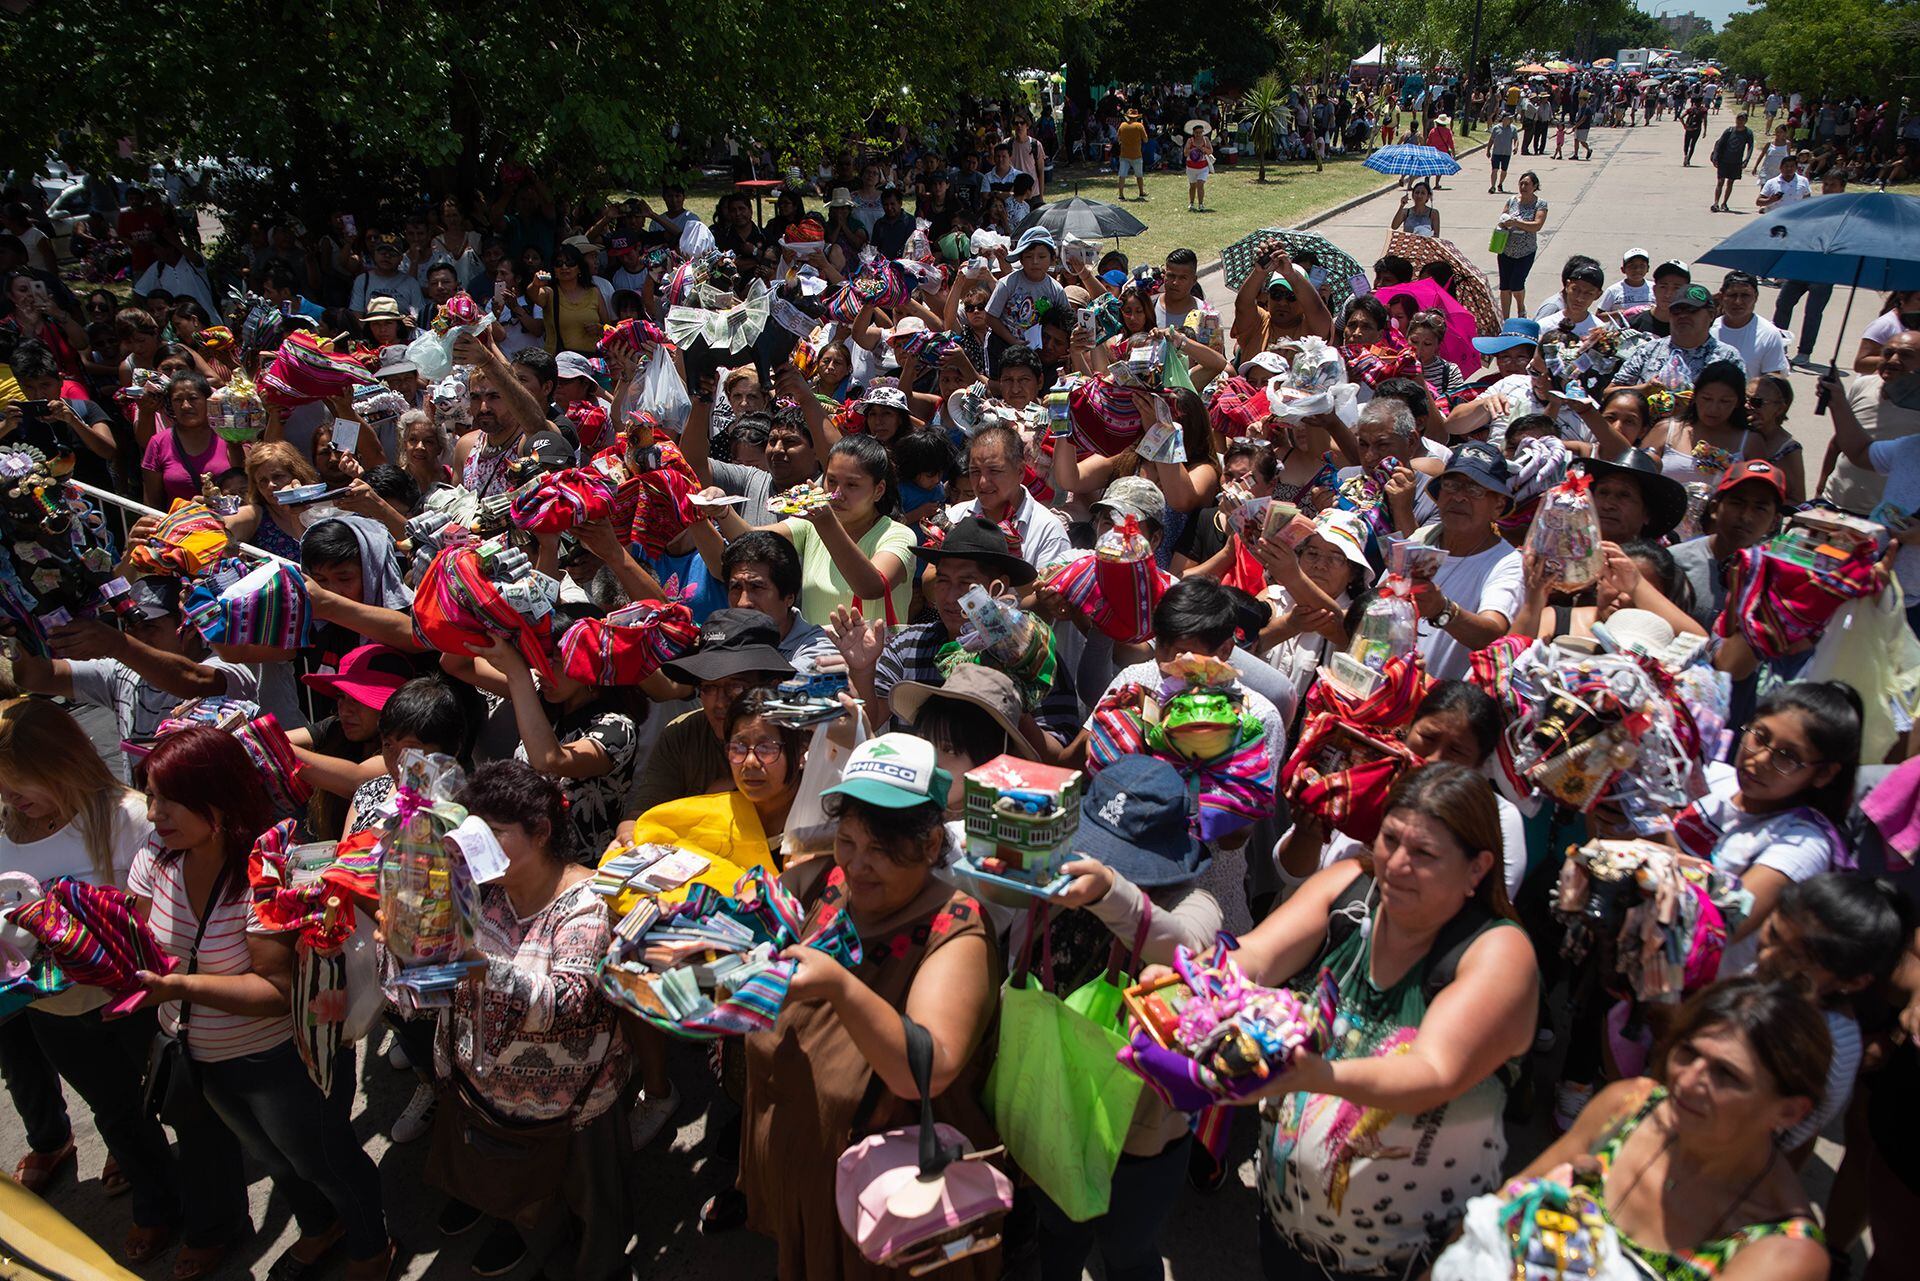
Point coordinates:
[[301, 495], [348, 225]]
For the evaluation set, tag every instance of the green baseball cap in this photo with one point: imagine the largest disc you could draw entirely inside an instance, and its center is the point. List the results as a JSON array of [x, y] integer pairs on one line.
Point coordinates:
[[894, 771], [1694, 296]]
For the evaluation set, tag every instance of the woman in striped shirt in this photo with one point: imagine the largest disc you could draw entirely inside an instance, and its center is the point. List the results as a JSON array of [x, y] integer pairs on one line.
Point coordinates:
[[228, 1005]]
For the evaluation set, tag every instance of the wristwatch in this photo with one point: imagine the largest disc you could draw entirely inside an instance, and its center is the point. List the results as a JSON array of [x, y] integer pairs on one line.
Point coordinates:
[[1448, 612]]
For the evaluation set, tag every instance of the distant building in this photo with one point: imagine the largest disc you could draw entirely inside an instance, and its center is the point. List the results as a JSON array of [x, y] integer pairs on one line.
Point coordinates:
[[1685, 26]]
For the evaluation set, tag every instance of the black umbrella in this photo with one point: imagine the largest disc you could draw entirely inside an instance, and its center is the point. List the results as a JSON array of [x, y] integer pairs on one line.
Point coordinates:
[[1082, 219]]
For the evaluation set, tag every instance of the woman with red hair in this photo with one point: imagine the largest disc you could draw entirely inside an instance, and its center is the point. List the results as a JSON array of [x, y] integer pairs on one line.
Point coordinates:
[[242, 1083]]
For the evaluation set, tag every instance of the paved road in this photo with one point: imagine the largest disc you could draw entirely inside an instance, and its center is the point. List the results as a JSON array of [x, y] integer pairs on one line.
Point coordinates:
[[1634, 192]]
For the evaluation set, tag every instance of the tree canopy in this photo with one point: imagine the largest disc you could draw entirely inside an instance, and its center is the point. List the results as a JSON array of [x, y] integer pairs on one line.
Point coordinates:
[[1860, 47], [329, 93]]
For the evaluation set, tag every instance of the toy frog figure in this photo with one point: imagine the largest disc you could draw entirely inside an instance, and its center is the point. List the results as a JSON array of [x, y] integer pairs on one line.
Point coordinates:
[[1197, 724]]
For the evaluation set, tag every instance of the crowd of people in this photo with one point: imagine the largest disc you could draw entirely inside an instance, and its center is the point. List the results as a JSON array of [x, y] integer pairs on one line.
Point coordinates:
[[583, 504]]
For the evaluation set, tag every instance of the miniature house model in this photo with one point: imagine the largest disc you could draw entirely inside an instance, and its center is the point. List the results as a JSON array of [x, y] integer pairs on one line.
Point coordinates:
[[1020, 816]]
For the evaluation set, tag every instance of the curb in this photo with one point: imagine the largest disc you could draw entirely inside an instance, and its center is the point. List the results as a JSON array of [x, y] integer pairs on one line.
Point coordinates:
[[1215, 267]]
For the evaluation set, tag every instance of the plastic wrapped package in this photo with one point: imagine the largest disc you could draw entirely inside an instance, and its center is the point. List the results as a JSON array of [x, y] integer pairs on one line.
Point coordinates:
[[427, 895], [1566, 534]]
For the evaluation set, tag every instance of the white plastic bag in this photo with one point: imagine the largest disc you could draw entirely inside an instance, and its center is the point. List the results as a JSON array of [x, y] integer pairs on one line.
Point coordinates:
[[432, 353], [662, 394], [363, 980], [809, 831], [1482, 1252], [1869, 646]]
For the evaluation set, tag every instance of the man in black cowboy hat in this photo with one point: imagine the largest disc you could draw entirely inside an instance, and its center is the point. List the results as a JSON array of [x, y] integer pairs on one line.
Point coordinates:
[[1634, 498], [739, 651], [974, 555]]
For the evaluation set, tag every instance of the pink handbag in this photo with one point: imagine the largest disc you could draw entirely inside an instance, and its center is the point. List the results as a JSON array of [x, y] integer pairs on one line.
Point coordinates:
[[919, 1197]]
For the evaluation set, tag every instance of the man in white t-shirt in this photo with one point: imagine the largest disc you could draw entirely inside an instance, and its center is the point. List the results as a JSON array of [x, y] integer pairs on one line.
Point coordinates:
[[1787, 187], [1762, 348], [1470, 601], [629, 267]]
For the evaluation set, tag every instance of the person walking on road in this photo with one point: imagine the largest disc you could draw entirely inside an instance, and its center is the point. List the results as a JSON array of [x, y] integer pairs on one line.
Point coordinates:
[[1500, 141], [1692, 122], [1731, 152], [1520, 227]]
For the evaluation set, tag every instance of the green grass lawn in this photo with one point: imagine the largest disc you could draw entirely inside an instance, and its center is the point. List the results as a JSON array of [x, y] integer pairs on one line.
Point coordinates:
[[1239, 202]]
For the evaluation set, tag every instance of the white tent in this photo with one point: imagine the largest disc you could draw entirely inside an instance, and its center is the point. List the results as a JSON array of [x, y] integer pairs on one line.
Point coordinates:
[[1374, 57]]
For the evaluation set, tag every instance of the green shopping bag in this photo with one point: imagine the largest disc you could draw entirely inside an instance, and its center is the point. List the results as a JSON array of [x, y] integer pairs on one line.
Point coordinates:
[[1059, 1096]]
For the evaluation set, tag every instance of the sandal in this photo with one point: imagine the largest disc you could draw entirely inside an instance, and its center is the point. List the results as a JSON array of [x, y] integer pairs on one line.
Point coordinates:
[[194, 1262], [112, 1182], [723, 1212], [142, 1244], [37, 1170]]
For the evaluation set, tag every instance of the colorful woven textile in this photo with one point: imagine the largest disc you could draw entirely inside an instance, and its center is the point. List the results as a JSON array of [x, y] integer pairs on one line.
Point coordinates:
[[269, 606], [589, 419], [188, 540], [280, 906], [767, 908], [617, 651], [40, 977], [1232, 789], [457, 608], [631, 335], [663, 495], [93, 934], [1779, 606], [1235, 406], [1341, 774], [1388, 709], [1105, 418], [558, 501], [880, 282], [304, 371], [1118, 597]]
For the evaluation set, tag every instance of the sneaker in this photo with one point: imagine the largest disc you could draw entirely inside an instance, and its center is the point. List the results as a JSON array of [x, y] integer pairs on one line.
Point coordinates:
[[502, 1251], [417, 1117], [1569, 1097], [650, 1116]]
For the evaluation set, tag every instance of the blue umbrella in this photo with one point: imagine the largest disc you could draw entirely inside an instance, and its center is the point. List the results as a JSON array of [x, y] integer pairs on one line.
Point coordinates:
[[1409, 160], [1856, 238]]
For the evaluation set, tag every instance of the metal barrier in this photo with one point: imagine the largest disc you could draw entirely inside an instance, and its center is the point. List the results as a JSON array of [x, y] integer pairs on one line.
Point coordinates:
[[122, 505], [126, 511]]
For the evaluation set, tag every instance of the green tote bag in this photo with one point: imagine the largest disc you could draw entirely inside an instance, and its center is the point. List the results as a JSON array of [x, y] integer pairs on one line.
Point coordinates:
[[1059, 1096]]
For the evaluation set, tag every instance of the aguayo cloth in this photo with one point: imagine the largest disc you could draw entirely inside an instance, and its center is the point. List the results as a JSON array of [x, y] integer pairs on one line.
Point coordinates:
[[188, 540], [1105, 418], [93, 935], [560, 500], [1235, 405], [266, 744], [268, 605], [1779, 606], [662, 498], [773, 916], [627, 648], [1341, 775], [304, 371], [458, 608], [880, 282], [1232, 788]]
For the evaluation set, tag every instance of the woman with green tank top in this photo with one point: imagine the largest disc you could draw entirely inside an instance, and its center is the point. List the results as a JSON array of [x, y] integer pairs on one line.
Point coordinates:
[[1369, 1155]]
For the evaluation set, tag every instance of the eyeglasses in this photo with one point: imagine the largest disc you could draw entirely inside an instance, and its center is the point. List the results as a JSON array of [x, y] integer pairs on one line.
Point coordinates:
[[721, 691], [766, 752], [1760, 402], [1781, 761]]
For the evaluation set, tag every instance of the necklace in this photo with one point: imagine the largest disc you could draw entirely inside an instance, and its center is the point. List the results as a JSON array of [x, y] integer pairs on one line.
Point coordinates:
[[1672, 1180], [24, 830]]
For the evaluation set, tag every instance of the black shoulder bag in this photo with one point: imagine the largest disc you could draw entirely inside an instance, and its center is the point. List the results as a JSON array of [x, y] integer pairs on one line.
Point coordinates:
[[172, 1093]]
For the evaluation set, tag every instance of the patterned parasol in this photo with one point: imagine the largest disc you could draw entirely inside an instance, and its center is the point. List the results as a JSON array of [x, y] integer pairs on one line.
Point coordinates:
[[1469, 286], [1236, 260]]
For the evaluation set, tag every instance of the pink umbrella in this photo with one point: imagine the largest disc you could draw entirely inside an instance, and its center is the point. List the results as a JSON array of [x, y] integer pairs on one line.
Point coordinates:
[[1457, 346]]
